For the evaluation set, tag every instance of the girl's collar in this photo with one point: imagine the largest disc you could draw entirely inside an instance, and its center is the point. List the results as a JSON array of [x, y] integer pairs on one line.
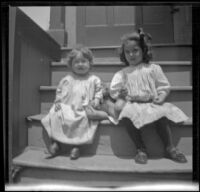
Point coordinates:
[[137, 66], [75, 76]]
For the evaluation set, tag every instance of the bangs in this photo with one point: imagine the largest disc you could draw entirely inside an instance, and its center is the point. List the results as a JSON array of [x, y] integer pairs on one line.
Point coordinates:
[[83, 51]]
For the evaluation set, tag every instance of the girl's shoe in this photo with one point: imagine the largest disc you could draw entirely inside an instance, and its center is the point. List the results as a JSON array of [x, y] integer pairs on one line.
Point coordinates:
[[75, 153], [175, 155], [141, 157], [54, 149]]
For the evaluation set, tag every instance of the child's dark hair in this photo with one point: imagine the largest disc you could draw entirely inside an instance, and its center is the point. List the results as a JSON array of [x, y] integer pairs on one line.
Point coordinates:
[[143, 40], [86, 52]]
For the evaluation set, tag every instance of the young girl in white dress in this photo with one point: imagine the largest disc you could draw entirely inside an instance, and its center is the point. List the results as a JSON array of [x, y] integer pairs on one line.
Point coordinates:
[[74, 116], [140, 91]]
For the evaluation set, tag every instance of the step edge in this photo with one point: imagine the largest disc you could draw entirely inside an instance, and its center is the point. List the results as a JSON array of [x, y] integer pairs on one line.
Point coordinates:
[[38, 117], [119, 63], [16, 161], [173, 88], [22, 164], [153, 45]]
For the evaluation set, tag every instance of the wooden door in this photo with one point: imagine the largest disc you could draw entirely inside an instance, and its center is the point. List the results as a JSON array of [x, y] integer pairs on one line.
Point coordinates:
[[158, 21], [104, 25], [182, 24]]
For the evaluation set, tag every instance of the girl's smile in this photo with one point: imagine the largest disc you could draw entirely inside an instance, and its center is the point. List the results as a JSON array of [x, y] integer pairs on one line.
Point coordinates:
[[80, 65], [133, 53]]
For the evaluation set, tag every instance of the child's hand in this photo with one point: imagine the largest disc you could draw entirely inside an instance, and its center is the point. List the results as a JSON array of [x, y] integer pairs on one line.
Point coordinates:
[[159, 99], [123, 92], [95, 103], [57, 106]]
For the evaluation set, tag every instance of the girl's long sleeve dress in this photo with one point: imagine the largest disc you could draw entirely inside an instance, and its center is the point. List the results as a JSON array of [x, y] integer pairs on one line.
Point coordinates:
[[70, 125], [145, 81]]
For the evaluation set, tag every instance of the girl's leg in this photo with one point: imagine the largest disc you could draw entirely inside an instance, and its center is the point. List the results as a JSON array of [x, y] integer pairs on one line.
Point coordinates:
[[54, 148], [164, 131], [109, 107], [95, 114], [51, 145], [105, 112], [75, 153], [135, 134]]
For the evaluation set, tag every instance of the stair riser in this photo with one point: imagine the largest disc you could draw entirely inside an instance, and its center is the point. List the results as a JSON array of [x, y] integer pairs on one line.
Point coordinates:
[[182, 99], [178, 75], [96, 179], [114, 140], [163, 53]]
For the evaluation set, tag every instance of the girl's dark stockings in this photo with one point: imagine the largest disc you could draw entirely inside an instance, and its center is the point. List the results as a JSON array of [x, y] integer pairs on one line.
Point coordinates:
[[134, 133], [164, 131], [162, 128]]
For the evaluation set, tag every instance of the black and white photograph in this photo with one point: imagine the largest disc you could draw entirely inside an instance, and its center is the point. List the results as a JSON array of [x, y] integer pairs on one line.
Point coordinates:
[[100, 97]]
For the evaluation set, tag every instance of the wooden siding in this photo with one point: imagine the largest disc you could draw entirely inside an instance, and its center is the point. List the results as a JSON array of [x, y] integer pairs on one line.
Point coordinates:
[[30, 53]]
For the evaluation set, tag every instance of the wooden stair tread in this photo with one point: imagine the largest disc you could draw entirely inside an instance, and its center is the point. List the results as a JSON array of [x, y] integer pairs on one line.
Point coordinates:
[[36, 157], [38, 117], [153, 45], [173, 88], [114, 61]]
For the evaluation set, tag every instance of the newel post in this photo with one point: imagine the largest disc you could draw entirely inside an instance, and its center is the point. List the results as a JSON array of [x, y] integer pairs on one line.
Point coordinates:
[[57, 25]]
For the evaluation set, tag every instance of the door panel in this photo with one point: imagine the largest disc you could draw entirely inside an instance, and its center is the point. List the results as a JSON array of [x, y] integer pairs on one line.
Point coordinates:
[[153, 15], [104, 25], [183, 24], [158, 21], [100, 18], [124, 15]]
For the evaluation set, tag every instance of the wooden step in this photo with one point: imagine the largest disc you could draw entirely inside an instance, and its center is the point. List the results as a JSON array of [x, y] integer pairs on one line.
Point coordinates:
[[134, 186], [161, 52], [181, 96], [179, 73], [114, 140], [97, 170]]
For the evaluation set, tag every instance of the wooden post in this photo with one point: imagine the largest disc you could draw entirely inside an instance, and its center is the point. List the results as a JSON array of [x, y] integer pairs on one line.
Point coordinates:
[[56, 18], [57, 25], [70, 25], [12, 22]]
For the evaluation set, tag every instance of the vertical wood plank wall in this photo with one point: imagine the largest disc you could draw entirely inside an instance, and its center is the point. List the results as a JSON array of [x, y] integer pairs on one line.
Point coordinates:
[[30, 67], [12, 22]]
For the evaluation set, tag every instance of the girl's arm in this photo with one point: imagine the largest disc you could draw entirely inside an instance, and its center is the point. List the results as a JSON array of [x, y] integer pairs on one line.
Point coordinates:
[[161, 82], [98, 92], [61, 90]]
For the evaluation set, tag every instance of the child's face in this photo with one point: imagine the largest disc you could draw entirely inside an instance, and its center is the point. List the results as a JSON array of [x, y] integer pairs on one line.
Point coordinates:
[[133, 53], [80, 65]]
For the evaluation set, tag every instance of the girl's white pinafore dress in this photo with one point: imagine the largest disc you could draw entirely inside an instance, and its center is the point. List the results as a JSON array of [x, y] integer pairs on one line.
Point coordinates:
[[70, 125], [145, 81]]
